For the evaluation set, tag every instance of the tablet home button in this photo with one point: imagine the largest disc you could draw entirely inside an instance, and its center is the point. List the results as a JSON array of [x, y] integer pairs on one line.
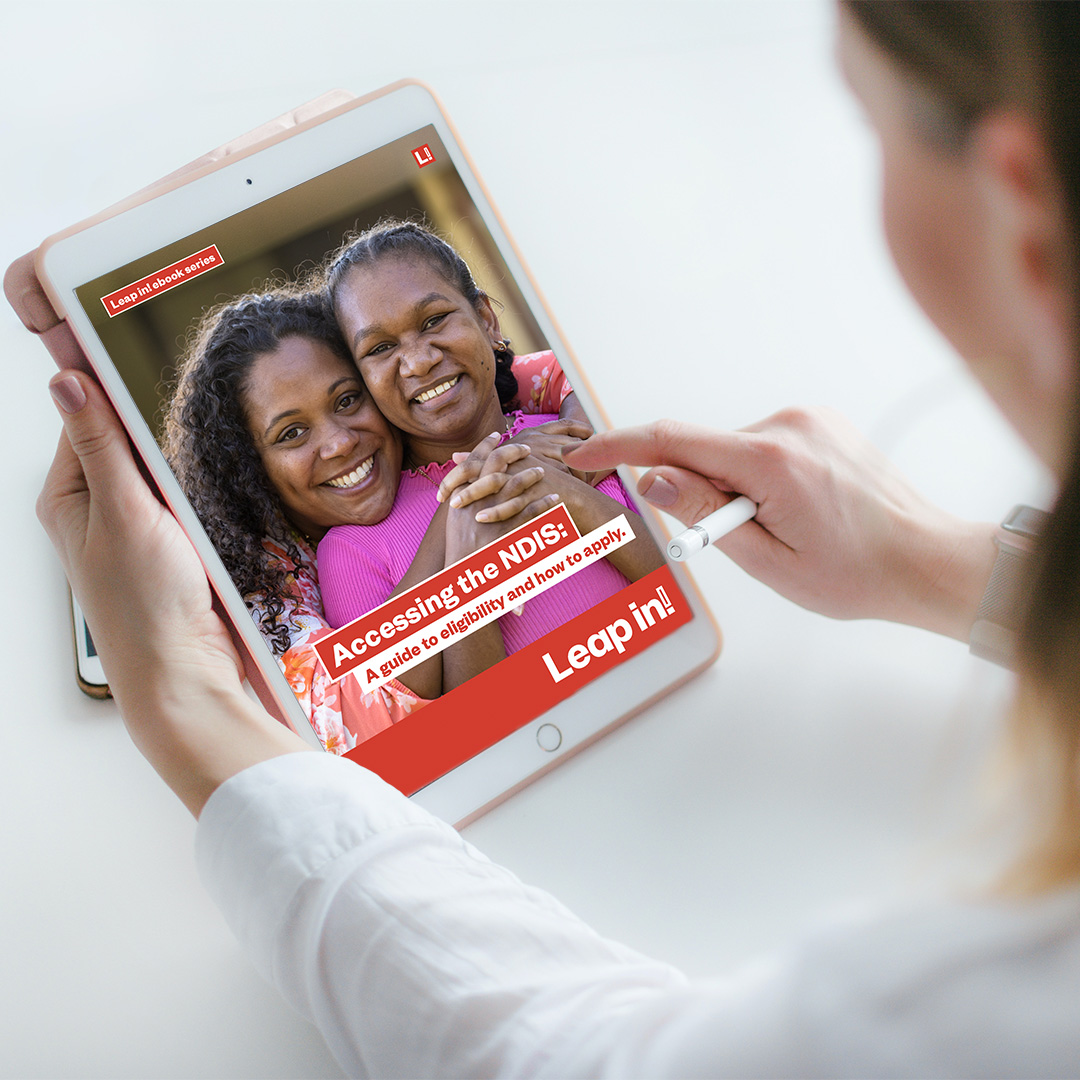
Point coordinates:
[[549, 737]]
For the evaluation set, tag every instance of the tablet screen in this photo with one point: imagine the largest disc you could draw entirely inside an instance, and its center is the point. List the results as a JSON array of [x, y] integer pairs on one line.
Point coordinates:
[[565, 607]]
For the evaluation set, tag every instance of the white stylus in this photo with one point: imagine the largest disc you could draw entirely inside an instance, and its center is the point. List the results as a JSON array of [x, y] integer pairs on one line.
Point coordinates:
[[710, 529]]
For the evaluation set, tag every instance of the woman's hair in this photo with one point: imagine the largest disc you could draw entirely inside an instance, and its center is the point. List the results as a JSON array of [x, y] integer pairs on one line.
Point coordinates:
[[207, 442], [965, 58], [410, 240]]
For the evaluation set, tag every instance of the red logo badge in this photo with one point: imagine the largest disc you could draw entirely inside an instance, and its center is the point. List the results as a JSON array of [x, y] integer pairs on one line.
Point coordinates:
[[423, 155], [160, 281]]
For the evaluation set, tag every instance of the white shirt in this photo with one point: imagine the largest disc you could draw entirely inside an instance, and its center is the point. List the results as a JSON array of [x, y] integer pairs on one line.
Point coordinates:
[[416, 956]]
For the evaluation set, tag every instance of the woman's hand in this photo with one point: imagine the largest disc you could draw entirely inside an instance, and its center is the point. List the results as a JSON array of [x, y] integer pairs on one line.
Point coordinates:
[[169, 659], [588, 507], [838, 529], [468, 528], [484, 472], [548, 441]]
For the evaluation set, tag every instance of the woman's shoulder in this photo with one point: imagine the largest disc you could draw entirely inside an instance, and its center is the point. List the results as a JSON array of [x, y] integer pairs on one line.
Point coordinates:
[[936, 987], [542, 384], [542, 364], [413, 506], [959, 988], [345, 539]]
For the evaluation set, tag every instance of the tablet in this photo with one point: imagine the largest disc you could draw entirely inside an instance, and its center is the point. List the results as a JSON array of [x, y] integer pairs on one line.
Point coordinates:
[[343, 606]]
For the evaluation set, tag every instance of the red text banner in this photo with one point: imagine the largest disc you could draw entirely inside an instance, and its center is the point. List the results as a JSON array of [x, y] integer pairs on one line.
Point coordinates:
[[436, 739], [138, 292], [475, 591]]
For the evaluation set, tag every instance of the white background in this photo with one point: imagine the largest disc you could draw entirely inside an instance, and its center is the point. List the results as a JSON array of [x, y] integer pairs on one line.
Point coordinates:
[[695, 194]]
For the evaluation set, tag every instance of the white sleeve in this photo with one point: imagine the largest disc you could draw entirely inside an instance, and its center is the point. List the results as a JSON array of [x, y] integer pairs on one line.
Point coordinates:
[[416, 956], [412, 952]]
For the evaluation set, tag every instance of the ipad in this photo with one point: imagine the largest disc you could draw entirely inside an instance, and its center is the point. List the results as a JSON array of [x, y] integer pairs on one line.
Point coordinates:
[[315, 513]]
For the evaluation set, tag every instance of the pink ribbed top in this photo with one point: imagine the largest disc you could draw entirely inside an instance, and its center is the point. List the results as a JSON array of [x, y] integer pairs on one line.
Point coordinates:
[[360, 565]]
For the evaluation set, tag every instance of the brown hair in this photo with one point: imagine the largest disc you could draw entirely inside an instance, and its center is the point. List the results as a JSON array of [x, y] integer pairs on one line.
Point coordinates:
[[966, 58]]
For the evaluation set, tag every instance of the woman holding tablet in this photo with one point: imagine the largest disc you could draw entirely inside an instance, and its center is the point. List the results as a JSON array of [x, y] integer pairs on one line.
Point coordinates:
[[416, 957]]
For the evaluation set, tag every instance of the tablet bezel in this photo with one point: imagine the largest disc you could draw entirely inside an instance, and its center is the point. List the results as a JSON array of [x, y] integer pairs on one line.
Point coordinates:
[[194, 203]]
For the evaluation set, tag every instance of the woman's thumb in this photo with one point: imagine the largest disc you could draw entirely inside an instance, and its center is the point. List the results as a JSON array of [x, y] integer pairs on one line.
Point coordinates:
[[92, 428]]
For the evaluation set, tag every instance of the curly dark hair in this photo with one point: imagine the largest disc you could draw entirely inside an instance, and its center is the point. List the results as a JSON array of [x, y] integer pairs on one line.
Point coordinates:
[[207, 442], [411, 239]]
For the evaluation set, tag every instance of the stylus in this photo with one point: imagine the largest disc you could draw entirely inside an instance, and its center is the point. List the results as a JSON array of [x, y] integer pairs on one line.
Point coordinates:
[[709, 529]]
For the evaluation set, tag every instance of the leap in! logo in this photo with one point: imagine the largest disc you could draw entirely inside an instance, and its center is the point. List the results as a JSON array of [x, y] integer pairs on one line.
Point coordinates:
[[423, 155]]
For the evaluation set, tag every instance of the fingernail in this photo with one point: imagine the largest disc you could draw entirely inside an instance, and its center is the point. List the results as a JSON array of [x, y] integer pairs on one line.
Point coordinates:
[[660, 492], [455, 500], [68, 394]]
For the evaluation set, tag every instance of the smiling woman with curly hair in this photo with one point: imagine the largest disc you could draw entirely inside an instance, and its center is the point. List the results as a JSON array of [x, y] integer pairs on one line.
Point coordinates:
[[208, 443]]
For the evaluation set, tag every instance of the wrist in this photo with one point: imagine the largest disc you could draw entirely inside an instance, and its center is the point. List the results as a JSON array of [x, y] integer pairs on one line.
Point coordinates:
[[198, 727], [951, 564], [463, 535]]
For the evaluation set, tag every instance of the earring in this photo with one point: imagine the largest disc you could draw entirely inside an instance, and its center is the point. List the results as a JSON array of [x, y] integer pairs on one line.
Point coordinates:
[[503, 345]]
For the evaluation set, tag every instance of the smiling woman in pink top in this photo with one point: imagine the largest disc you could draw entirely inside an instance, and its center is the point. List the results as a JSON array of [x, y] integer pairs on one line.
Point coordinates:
[[427, 341]]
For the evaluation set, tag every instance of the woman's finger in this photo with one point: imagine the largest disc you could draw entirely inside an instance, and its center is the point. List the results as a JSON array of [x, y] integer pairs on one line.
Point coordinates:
[[504, 456], [467, 466], [664, 442], [540, 506], [565, 426], [485, 460], [682, 493], [463, 473], [478, 489], [495, 483], [514, 495], [35, 310], [521, 507]]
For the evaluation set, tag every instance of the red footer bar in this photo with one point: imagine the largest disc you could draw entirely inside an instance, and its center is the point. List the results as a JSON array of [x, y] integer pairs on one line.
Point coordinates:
[[459, 725]]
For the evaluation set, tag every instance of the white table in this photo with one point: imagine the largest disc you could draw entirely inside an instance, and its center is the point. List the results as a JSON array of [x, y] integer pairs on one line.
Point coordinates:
[[696, 196]]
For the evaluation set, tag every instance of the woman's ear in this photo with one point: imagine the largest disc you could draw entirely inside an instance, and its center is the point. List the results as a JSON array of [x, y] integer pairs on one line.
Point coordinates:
[[1029, 235], [488, 317]]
